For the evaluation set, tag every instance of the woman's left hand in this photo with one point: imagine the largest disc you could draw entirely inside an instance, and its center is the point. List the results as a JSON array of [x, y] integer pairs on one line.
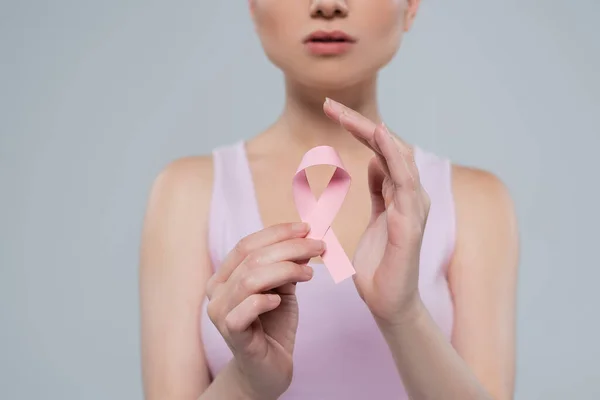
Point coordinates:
[[387, 257]]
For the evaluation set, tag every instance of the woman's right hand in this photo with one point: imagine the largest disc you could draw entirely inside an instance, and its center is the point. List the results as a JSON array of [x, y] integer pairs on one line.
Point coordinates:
[[252, 303]]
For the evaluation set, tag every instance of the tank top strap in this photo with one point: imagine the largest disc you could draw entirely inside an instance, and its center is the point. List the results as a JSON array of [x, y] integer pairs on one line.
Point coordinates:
[[233, 211], [436, 177]]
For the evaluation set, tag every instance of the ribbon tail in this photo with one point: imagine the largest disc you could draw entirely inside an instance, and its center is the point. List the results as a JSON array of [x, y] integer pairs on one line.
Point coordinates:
[[335, 259]]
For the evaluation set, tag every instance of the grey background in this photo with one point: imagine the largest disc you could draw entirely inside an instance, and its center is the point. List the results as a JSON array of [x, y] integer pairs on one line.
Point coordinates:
[[97, 96]]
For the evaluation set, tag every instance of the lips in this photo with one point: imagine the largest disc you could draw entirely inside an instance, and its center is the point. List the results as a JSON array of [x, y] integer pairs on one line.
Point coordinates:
[[329, 37], [334, 43]]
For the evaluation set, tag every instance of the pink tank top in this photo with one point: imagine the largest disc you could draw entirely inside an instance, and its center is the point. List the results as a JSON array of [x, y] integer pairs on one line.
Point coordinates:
[[340, 353]]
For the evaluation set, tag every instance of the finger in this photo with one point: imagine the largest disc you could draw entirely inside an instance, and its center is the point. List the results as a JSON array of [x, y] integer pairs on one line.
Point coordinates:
[[408, 152], [244, 280], [359, 126], [398, 167], [242, 316], [287, 289], [333, 109], [249, 281], [297, 249], [251, 243]]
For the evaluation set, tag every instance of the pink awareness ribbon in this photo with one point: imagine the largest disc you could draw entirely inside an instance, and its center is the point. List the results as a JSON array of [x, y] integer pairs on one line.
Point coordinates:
[[320, 213]]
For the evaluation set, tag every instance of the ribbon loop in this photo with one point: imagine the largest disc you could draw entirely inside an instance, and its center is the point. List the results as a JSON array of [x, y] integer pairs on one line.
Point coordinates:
[[321, 213]]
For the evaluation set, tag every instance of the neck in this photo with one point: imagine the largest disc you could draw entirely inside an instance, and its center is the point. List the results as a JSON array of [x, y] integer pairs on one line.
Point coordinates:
[[304, 123]]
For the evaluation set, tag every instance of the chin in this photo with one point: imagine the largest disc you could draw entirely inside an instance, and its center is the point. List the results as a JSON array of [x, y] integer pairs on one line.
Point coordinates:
[[331, 75], [332, 82]]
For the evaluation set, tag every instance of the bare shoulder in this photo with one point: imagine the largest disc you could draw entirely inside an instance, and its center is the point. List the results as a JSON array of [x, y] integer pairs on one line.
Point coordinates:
[[485, 212], [185, 176], [178, 207], [481, 193]]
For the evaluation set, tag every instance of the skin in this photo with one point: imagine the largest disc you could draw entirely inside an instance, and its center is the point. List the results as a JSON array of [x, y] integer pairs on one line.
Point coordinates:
[[251, 297]]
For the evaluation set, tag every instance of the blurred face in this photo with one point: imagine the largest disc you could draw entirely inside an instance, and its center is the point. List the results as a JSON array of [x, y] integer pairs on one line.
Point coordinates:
[[331, 43]]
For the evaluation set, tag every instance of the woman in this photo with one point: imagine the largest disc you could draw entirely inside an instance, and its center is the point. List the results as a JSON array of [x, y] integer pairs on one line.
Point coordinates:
[[235, 304]]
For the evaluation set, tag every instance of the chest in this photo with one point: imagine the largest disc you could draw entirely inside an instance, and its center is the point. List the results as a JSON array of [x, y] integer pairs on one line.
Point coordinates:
[[339, 353]]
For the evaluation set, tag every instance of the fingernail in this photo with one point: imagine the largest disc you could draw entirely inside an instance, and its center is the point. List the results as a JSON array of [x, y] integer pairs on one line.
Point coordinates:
[[335, 105], [323, 245], [308, 270], [273, 297], [327, 101], [300, 227]]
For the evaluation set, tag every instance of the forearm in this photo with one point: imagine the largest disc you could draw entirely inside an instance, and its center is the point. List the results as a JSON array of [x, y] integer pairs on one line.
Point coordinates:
[[228, 385], [429, 366]]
